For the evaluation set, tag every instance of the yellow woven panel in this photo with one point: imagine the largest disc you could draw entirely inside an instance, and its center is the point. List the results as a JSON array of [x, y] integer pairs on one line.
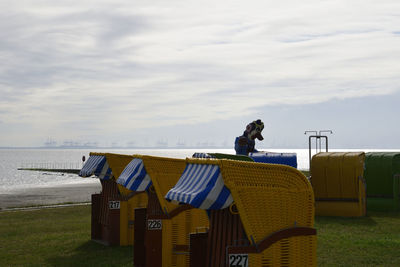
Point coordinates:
[[168, 242], [269, 197], [336, 174], [176, 231], [137, 201], [354, 168], [293, 251], [164, 174], [117, 163], [203, 161], [96, 154], [318, 169], [338, 184]]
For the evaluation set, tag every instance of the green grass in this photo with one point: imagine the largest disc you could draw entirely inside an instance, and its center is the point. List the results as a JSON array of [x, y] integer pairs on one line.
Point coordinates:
[[61, 237], [55, 237], [367, 241]]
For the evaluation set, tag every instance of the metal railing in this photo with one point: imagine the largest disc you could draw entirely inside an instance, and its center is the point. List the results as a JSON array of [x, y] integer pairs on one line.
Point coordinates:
[[318, 142]]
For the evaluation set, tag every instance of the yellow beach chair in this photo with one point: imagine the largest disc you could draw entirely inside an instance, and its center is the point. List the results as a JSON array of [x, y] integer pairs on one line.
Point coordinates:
[[112, 210], [260, 214], [128, 200], [166, 226], [338, 183]]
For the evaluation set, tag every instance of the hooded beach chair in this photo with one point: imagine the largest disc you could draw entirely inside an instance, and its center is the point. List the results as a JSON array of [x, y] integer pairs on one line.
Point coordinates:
[[166, 226], [260, 214], [113, 209], [382, 176], [338, 183]]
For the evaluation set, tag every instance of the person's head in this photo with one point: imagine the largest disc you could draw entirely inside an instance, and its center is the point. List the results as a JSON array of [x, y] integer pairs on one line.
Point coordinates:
[[254, 130]]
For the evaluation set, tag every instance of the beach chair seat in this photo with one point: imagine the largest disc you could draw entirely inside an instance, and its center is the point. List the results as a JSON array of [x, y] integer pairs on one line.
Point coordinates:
[[338, 183], [260, 214]]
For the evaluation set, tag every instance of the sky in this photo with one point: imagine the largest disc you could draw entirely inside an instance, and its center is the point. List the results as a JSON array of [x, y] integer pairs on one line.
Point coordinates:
[[142, 73]]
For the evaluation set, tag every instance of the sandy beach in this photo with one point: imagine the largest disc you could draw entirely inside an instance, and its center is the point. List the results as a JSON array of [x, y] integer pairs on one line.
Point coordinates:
[[49, 195]]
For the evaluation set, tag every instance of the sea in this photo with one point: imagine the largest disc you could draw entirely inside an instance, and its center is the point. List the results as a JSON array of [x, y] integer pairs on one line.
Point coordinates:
[[13, 180]]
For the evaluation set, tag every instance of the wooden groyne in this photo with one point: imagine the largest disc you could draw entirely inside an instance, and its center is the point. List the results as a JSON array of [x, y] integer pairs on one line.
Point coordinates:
[[74, 171]]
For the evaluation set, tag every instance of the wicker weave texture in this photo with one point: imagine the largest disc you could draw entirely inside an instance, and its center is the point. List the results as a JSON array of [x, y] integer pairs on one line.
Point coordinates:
[[176, 233], [339, 187], [336, 174], [135, 202], [127, 216], [97, 154], [117, 163], [294, 251], [269, 197], [109, 192], [164, 173]]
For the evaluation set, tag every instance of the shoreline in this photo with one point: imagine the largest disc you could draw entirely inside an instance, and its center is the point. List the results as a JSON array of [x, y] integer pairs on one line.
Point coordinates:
[[69, 193]]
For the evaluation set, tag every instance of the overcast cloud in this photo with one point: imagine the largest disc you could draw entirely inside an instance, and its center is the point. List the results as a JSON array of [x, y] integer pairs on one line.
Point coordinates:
[[132, 71]]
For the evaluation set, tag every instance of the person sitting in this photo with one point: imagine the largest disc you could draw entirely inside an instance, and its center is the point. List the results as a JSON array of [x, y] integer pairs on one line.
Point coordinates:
[[245, 143]]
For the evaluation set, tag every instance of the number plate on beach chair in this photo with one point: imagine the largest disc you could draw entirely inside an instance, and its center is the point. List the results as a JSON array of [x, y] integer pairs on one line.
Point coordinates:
[[154, 224], [238, 260], [113, 205]]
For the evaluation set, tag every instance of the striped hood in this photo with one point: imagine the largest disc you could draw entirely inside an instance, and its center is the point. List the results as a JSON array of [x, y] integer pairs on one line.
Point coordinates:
[[202, 186], [134, 177], [96, 165]]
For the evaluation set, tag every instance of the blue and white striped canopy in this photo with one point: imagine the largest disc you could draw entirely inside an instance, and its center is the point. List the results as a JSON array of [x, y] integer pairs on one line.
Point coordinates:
[[202, 186], [134, 176], [96, 165], [201, 155]]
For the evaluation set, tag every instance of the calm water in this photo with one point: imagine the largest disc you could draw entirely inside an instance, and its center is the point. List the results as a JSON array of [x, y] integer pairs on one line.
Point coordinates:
[[12, 179]]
